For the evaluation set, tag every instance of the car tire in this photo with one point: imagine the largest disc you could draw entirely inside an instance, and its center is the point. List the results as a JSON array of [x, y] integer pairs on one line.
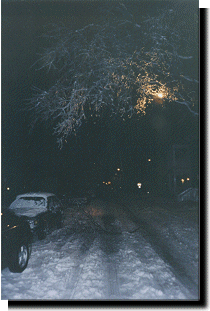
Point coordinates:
[[20, 258]]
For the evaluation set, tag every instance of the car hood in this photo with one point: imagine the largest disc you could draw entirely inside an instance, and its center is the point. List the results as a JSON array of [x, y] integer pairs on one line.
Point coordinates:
[[29, 211]]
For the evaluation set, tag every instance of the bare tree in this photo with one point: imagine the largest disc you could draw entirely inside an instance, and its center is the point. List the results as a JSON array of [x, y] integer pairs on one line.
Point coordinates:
[[117, 65]]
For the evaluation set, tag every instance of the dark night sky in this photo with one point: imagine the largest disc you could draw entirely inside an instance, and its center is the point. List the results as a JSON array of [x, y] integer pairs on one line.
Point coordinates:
[[33, 159]]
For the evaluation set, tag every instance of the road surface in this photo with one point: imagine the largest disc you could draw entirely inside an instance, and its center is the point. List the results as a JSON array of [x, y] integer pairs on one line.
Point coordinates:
[[99, 254]]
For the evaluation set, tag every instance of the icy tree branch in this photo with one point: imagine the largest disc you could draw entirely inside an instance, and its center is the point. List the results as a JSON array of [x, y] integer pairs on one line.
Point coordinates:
[[121, 65]]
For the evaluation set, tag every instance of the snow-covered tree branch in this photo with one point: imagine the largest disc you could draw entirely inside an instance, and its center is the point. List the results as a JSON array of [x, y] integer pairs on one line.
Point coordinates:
[[119, 64]]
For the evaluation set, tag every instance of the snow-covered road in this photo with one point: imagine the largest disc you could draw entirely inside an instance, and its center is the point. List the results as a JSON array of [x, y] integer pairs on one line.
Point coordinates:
[[98, 254]]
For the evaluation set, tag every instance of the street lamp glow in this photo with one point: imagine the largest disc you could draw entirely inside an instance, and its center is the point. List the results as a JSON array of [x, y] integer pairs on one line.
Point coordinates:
[[8, 188], [182, 180], [139, 185], [188, 179], [118, 169], [149, 160], [160, 95]]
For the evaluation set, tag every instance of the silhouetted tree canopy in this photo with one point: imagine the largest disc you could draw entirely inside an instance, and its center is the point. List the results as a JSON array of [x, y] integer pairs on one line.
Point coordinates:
[[119, 65]]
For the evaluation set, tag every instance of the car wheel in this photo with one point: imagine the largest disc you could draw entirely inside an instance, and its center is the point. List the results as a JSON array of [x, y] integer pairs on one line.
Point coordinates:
[[20, 258]]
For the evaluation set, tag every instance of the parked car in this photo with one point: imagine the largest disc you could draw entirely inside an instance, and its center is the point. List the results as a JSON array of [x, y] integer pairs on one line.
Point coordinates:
[[16, 239], [190, 194], [81, 197], [43, 211]]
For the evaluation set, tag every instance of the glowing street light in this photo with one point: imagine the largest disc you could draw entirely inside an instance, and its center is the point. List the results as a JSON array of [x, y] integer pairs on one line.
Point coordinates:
[[160, 95], [188, 179], [149, 160], [182, 180], [139, 185], [8, 188], [118, 169]]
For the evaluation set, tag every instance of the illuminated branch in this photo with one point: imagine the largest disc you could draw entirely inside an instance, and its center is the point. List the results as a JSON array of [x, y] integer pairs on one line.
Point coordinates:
[[121, 65]]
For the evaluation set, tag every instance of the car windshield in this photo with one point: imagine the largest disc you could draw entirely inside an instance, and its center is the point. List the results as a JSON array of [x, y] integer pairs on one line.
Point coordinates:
[[28, 202]]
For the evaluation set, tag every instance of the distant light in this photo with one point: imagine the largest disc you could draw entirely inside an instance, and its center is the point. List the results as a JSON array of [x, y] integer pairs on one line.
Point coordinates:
[[160, 95], [188, 179], [118, 169], [139, 185], [8, 188], [109, 182], [147, 191], [149, 160], [104, 182], [182, 180]]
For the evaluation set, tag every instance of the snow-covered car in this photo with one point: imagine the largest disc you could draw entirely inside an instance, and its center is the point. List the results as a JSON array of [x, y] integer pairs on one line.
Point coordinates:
[[43, 211], [16, 239], [190, 194]]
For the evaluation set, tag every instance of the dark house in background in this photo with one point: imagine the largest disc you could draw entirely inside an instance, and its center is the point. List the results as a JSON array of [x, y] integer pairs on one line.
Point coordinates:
[[180, 172]]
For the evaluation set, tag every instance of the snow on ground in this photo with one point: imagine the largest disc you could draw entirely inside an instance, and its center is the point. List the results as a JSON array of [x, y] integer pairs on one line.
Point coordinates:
[[177, 227], [100, 257]]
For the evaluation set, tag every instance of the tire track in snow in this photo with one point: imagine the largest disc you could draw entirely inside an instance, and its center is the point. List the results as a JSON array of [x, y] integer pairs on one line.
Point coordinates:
[[113, 284], [160, 246], [144, 261], [110, 246], [91, 283], [85, 240], [150, 277], [172, 259]]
